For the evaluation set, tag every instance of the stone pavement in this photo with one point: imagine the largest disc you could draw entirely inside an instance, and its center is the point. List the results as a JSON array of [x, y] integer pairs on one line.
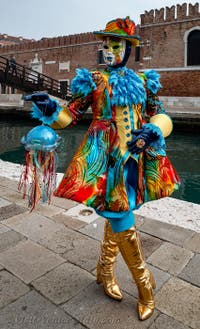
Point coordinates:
[[47, 269]]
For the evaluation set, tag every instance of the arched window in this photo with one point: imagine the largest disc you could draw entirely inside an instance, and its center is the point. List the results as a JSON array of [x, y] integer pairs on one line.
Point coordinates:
[[193, 48]]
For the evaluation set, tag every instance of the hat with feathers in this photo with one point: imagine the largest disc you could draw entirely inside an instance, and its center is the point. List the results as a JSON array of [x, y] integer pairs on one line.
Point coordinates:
[[123, 28]]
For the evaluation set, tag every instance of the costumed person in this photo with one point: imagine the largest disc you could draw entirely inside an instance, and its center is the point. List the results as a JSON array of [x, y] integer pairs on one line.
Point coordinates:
[[121, 162]]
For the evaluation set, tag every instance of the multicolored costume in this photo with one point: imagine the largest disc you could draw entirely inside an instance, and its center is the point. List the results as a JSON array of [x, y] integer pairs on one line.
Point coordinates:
[[121, 162], [104, 174]]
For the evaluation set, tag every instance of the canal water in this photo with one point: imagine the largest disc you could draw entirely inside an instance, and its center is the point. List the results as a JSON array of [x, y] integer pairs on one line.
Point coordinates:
[[183, 149]]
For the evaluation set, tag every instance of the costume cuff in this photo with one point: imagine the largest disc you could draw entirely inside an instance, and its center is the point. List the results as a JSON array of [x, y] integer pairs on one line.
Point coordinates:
[[122, 224], [63, 120]]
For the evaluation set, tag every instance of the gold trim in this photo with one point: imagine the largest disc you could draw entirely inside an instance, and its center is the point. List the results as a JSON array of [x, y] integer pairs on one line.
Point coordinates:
[[164, 122], [64, 119]]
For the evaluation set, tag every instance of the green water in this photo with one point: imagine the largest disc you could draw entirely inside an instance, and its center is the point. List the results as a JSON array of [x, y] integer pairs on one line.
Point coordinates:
[[183, 149]]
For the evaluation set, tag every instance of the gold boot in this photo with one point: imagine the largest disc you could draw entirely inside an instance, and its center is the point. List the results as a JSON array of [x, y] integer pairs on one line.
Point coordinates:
[[130, 248], [105, 266]]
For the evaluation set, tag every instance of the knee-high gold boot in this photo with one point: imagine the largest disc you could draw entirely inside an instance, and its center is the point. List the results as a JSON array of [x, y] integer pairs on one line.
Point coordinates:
[[105, 266], [130, 248]]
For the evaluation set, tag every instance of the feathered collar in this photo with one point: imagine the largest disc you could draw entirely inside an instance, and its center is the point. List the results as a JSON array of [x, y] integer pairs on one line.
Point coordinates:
[[127, 87]]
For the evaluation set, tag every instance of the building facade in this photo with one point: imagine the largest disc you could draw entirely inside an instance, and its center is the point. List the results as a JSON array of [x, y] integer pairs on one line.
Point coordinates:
[[170, 44]]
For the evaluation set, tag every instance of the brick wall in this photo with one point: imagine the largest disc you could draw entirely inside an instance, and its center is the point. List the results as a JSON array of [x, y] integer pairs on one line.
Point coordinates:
[[180, 83], [163, 47]]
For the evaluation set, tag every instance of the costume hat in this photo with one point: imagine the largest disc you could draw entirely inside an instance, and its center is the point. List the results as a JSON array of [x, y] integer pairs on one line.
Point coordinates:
[[122, 28]]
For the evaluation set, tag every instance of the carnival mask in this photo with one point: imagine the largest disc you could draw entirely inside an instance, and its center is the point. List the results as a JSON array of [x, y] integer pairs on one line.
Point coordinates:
[[113, 51]]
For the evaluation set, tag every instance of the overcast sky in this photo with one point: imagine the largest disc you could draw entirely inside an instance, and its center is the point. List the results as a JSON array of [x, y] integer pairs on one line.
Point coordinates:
[[49, 18]]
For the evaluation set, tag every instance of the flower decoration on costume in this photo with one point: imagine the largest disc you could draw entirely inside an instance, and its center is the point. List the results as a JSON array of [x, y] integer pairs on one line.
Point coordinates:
[[126, 24]]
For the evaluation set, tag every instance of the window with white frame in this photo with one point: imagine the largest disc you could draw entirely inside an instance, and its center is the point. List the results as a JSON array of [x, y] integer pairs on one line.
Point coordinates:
[[64, 66], [64, 87], [193, 51], [192, 47]]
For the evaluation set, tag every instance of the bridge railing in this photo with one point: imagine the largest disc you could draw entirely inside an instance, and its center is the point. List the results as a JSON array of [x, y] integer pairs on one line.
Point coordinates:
[[23, 78]]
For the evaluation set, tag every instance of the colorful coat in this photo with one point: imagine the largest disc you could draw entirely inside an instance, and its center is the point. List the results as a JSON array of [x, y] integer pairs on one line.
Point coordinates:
[[120, 100]]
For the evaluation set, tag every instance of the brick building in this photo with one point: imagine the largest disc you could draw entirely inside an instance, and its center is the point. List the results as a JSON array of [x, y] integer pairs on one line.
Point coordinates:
[[170, 44]]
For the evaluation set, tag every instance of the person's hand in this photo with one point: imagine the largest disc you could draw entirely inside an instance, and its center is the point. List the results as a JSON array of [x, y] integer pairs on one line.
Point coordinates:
[[42, 100], [142, 138]]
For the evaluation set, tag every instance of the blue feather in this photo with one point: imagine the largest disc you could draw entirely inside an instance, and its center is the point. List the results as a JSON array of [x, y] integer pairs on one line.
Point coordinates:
[[127, 87], [82, 84], [152, 81]]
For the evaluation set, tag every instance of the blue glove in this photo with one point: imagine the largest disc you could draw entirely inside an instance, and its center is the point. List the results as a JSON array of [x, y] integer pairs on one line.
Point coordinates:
[[142, 138], [42, 100]]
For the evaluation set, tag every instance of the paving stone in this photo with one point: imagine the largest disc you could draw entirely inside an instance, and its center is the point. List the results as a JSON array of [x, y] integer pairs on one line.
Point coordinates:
[[73, 246], [63, 203], [63, 282], [170, 258], [165, 231], [3, 191], [4, 203], [83, 251], [11, 288], [95, 229], [191, 271], [68, 221], [149, 244], [4, 228], [11, 210], [47, 210], [193, 243], [16, 197], [181, 301], [82, 212], [166, 322], [34, 226], [9, 183], [95, 310], [33, 311], [139, 221], [173, 211], [9, 239], [29, 261]]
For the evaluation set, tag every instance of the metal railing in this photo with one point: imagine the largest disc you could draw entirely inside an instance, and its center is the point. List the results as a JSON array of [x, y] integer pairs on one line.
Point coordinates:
[[23, 78]]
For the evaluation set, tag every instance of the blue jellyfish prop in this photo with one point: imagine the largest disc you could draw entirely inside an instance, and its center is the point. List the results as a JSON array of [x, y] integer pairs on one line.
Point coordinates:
[[39, 174]]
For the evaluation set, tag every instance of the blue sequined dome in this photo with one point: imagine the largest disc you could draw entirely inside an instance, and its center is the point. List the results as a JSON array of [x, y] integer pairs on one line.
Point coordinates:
[[41, 138]]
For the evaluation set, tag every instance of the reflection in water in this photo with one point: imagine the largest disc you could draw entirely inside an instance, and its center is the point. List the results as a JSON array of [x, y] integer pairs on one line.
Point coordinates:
[[184, 150], [182, 147]]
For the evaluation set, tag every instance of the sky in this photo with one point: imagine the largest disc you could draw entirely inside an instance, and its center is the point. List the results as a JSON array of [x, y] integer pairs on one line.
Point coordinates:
[[35, 19]]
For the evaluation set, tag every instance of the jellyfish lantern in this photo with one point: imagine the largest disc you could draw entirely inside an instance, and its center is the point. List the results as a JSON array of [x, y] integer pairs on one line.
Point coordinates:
[[38, 178]]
